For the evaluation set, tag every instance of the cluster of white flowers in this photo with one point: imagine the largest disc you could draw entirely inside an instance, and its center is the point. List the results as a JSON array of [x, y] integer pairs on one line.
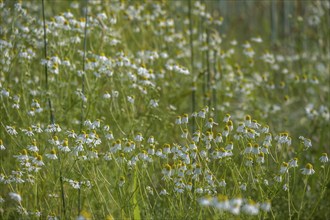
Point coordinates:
[[236, 205]]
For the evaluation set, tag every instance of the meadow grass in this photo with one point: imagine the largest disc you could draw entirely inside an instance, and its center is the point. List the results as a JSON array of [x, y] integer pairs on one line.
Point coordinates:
[[148, 110]]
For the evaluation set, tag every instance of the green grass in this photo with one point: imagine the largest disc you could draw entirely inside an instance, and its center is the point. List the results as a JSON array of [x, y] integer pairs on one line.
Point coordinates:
[[117, 120]]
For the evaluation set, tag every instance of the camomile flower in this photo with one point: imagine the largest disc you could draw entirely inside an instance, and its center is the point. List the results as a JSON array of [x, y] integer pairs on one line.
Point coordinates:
[[249, 162], [2, 147], [226, 118], [52, 155], [131, 99], [265, 206], [185, 133], [154, 103], [251, 208], [33, 147], [38, 161], [163, 192], [15, 196], [285, 187], [210, 123], [185, 119], [225, 132], [248, 149], [308, 170], [178, 120], [202, 113], [284, 168], [222, 202], [324, 158], [218, 138], [260, 158], [222, 183], [255, 149], [293, 162], [138, 137]]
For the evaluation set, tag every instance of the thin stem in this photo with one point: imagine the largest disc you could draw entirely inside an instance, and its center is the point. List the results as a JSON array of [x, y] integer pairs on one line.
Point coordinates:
[[302, 199], [52, 120], [83, 90], [84, 65], [289, 198], [193, 92]]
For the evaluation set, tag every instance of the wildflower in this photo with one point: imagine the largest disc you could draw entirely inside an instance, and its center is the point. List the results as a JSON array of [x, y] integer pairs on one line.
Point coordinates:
[[243, 186], [192, 146], [37, 128], [22, 156], [28, 132], [188, 186], [265, 206], [230, 125], [138, 137], [283, 138], [257, 39], [255, 149], [196, 136], [230, 146], [222, 202], [266, 183], [226, 118], [210, 123], [163, 192], [225, 132], [2, 147], [38, 161], [324, 158], [222, 183], [153, 103], [185, 119], [235, 205], [33, 147], [247, 121], [265, 129], [306, 142], [199, 190], [167, 171], [109, 136], [131, 99], [151, 140], [218, 138], [308, 170], [64, 147], [293, 162], [11, 130], [178, 120], [202, 113], [284, 168], [249, 162], [240, 128], [206, 201], [166, 148], [15, 196], [185, 133], [107, 156], [285, 187], [248, 149], [260, 158], [251, 133], [151, 150], [251, 208]]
